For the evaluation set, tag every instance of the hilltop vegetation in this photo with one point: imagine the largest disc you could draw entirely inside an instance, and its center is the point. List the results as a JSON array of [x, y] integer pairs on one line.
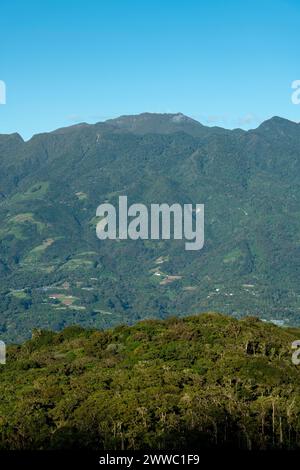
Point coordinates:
[[55, 272], [203, 381]]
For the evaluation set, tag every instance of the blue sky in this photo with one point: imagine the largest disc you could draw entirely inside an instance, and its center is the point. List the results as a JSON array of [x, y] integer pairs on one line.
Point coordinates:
[[223, 62]]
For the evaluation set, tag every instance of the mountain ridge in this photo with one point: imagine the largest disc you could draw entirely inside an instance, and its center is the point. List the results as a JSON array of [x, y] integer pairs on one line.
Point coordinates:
[[125, 122], [54, 271]]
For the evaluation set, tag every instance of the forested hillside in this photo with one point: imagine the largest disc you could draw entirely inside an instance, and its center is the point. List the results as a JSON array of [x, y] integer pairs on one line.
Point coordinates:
[[199, 382], [55, 271]]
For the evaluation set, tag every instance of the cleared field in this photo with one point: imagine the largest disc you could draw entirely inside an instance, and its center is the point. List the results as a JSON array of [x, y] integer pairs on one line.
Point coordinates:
[[37, 191]]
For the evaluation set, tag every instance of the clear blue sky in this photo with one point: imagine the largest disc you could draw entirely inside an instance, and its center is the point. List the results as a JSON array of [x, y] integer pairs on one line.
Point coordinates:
[[223, 62]]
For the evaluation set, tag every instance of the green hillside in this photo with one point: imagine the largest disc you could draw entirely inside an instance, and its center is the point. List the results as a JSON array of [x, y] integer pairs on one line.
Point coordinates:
[[198, 382], [55, 272]]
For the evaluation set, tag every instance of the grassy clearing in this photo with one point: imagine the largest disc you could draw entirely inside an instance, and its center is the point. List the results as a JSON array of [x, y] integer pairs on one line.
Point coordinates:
[[233, 256], [87, 253], [81, 196], [43, 246], [161, 260], [37, 191], [14, 231], [35, 254], [104, 312], [19, 294], [76, 263], [27, 217]]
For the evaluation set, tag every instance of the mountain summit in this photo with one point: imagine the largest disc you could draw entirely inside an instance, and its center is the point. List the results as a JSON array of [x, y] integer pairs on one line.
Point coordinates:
[[157, 123]]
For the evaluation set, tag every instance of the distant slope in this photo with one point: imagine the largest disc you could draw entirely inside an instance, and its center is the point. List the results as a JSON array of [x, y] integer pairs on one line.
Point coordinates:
[[54, 271]]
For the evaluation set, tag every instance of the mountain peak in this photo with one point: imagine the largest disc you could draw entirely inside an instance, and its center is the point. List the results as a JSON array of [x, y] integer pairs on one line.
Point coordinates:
[[278, 123], [13, 136], [156, 123], [150, 117]]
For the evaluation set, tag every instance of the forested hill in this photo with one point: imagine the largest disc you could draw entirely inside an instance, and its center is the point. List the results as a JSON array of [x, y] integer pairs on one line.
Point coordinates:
[[54, 271], [202, 381]]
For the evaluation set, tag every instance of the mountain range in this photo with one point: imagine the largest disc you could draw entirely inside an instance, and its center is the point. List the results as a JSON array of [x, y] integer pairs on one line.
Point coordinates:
[[56, 272]]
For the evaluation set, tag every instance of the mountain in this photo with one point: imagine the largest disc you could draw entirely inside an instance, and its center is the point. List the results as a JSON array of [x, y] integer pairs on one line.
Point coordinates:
[[149, 123], [201, 382], [56, 272]]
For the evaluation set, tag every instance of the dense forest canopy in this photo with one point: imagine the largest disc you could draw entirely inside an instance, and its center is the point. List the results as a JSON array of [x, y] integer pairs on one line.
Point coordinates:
[[201, 382]]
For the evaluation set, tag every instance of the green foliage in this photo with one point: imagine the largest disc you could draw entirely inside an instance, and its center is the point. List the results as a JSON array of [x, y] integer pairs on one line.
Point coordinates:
[[203, 381]]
